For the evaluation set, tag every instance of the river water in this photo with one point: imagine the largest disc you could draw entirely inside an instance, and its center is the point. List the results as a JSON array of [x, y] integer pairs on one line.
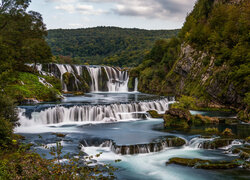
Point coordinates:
[[112, 121]]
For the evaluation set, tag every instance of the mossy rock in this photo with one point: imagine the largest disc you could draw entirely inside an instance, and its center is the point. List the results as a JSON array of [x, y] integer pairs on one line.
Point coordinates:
[[86, 76], [176, 142], [204, 164], [244, 116], [186, 161], [155, 114], [174, 122], [103, 79], [212, 131], [179, 113], [217, 143], [218, 165], [131, 83], [199, 119], [66, 78]]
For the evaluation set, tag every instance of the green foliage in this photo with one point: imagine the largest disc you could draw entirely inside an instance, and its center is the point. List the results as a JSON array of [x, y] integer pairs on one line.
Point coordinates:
[[21, 35], [220, 31], [185, 102], [104, 45], [27, 85], [6, 130]]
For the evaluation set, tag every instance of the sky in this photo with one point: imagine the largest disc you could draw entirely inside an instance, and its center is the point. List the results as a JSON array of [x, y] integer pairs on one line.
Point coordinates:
[[143, 14]]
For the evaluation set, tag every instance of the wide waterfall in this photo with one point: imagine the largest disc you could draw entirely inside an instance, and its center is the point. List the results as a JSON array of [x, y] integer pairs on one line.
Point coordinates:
[[99, 78], [155, 146], [91, 114]]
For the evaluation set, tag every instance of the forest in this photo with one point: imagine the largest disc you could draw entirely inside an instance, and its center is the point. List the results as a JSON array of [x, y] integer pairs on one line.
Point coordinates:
[[104, 45]]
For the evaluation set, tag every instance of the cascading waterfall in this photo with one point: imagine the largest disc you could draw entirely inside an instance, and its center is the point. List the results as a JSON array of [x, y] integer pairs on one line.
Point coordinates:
[[91, 114], [118, 80], [95, 73], [154, 146], [113, 79]]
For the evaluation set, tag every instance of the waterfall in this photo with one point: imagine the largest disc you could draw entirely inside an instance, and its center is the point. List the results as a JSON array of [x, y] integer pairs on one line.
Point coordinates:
[[136, 85], [94, 72], [91, 114], [103, 78], [154, 146], [117, 79]]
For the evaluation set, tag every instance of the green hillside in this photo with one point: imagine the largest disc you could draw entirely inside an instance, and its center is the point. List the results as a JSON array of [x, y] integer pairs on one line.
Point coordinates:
[[209, 60], [105, 45]]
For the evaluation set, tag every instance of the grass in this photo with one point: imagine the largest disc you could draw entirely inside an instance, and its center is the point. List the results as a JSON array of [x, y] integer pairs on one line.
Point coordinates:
[[26, 85]]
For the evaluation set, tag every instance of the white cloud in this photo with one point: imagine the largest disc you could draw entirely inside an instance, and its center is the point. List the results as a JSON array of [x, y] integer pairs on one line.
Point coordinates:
[[159, 9]]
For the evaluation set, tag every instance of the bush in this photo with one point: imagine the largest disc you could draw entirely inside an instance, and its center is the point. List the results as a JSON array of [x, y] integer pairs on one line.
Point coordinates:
[[6, 133]]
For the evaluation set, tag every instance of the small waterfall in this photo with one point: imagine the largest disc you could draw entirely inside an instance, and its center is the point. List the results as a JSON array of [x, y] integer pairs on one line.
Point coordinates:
[[117, 79], [90, 114], [154, 146], [95, 73], [136, 85]]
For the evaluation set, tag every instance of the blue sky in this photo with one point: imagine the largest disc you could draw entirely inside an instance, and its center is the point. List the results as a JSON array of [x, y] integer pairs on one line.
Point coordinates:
[[145, 14]]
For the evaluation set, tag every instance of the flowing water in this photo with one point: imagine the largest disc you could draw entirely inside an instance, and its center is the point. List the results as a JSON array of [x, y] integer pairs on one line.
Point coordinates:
[[116, 123]]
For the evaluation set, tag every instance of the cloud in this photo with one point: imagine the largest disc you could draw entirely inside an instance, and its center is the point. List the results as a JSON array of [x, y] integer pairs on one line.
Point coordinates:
[[159, 9], [80, 8]]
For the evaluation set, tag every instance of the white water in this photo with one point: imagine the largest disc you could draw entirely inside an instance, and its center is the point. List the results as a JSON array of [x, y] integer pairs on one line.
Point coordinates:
[[136, 85], [94, 73], [89, 114], [117, 78]]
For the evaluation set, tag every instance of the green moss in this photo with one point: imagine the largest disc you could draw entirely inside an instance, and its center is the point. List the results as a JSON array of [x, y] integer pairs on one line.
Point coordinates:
[[174, 122], [204, 164], [86, 76], [212, 131], [186, 161], [155, 114], [217, 143], [178, 141], [131, 83]]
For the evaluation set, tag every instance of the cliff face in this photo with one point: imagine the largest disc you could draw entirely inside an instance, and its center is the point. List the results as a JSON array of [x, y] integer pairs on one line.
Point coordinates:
[[195, 73], [209, 59]]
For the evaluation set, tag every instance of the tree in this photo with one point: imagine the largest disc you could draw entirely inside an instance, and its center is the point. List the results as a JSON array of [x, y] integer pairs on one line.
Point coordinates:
[[23, 34]]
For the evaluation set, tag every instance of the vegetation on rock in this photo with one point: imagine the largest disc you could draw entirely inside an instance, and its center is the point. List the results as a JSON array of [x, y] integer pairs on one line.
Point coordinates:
[[209, 59], [207, 164]]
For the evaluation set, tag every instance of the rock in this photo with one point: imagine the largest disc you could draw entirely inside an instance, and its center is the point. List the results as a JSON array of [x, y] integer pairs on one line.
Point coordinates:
[[179, 113], [227, 132], [204, 164], [59, 135], [155, 114], [177, 118], [186, 161], [199, 119], [217, 143]]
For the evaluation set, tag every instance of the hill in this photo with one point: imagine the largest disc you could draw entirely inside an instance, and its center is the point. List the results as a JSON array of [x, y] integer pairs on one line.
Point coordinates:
[[209, 60], [105, 45]]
